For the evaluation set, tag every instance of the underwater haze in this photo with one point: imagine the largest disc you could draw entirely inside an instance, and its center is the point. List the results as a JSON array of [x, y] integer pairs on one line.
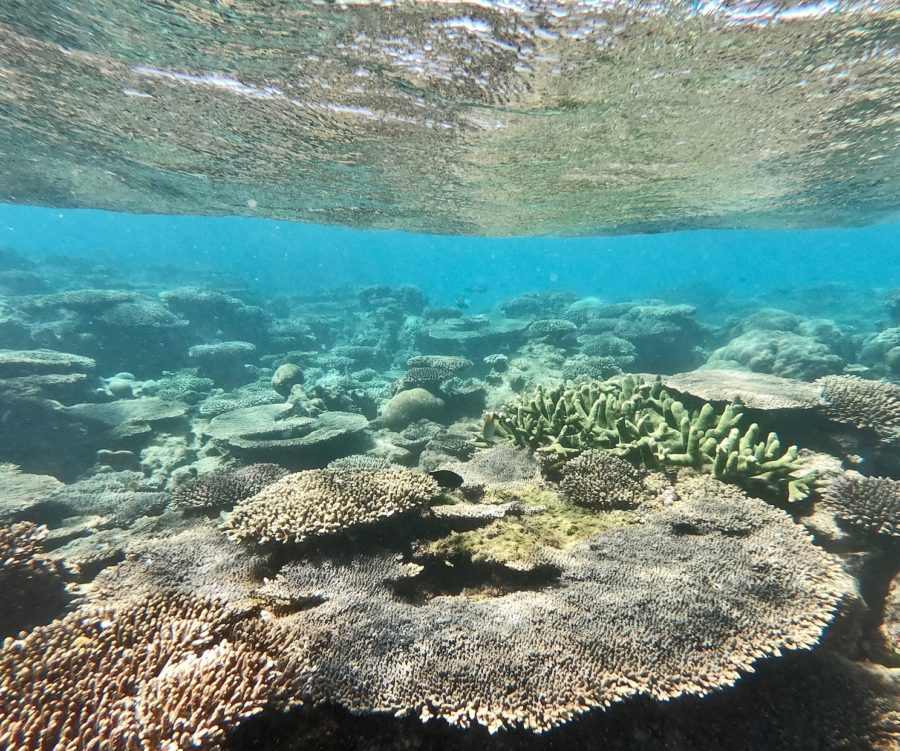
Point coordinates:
[[440, 375]]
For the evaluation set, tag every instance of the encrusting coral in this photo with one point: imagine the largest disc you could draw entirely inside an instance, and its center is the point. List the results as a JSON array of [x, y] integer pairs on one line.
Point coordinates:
[[171, 674], [642, 423], [324, 501], [870, 505]]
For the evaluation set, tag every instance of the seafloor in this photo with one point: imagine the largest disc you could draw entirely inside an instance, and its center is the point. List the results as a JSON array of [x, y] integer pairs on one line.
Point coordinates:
[[354, 520]]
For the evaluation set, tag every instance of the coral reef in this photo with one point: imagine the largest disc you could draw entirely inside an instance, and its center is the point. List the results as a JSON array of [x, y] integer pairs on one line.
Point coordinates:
[[409, 406], [639, 421], [781, 353], [868, 505], [31, 585], [321, 502], [645, 610], [285, 377], [224, 488], [757, 391], [21, 492], [597, 479], [174, 672], [870, 405], [223, 362], [525, 521], [270, 433]]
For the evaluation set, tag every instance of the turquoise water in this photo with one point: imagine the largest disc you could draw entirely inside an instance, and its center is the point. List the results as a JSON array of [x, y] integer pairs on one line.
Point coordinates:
[[285, 258]]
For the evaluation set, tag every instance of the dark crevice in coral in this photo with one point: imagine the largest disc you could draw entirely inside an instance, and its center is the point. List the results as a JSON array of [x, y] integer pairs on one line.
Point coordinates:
[[875, 578], [760, 712], [682, 529], [470, 579]]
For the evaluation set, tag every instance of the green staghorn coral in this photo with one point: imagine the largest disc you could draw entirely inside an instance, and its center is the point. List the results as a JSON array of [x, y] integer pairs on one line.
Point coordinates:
[[641, 422]]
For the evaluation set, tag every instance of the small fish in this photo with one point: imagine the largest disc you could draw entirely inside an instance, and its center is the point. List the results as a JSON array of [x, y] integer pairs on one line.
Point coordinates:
[[461, 302], [447, 478]]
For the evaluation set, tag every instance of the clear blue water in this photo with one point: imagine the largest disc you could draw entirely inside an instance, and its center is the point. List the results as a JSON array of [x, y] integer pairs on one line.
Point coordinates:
[[284, 258]]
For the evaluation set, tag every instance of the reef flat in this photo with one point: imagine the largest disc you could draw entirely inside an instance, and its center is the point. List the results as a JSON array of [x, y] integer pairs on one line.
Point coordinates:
[[353, 519]]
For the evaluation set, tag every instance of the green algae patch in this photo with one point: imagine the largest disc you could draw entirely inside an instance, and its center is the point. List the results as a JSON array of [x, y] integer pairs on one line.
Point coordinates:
[[546, 521]]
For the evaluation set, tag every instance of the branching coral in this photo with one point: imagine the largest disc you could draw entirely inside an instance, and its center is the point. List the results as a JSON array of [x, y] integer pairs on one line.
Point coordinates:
[[871, 405], [172, 673], [640, 422], [224, 488], [869, 505], [31, 588], [325, 501]]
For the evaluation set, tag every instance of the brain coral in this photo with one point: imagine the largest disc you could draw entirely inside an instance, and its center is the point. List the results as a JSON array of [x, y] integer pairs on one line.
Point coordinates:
[[600, 480], [172, 673], [867, 504], [678, 605], [224, 488], [323, 501]]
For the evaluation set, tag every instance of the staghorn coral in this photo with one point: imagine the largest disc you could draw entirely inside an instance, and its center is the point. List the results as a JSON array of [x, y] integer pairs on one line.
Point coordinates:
[[870, 405], [640, 422], [324, 501], [172, 673], [597, 479], [646, 610], [224, 488], [31, 587], [870, 505]]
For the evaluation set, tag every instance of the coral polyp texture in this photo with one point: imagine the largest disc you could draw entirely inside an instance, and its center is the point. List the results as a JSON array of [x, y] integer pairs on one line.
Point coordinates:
[[870, 505], [324, 501], [639, 421], [172, 673], [597, 479], [679, 605], [31, 586], [871, 405], [224, 488]]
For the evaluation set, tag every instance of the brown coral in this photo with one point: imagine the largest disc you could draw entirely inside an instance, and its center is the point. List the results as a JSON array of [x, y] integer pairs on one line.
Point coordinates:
[[323, 501], [31, 587], [597, 479], [870, 505], [678, 605], [172, 673], [224, 488], [872, 405]]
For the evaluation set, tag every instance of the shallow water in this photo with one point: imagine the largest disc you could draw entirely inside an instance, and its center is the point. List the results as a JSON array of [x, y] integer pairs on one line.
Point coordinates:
[[343, 485]]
